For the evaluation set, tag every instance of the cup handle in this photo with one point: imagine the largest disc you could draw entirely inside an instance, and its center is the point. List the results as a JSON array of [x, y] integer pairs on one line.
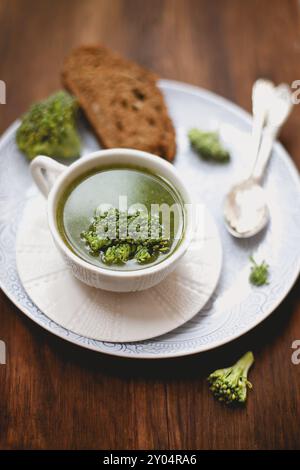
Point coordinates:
[[44, 171]]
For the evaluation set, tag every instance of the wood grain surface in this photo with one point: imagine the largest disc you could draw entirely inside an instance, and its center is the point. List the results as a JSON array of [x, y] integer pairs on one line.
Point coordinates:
[[54, 395]]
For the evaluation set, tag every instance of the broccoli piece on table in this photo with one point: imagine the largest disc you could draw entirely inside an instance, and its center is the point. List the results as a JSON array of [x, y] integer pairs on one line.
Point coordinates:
[[230, 384], [259, 273], [49, 128], [208, 145]]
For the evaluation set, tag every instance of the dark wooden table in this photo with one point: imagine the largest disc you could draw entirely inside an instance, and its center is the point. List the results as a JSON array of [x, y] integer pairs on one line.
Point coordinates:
[[55, 395]]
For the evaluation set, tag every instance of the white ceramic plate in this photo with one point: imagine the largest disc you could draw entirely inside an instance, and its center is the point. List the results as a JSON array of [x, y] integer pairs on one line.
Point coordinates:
[[235, 306]]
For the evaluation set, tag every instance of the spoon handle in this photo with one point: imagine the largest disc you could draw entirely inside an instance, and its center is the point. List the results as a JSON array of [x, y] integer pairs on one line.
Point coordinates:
[[280, 108], [261, 93], [265, 152]]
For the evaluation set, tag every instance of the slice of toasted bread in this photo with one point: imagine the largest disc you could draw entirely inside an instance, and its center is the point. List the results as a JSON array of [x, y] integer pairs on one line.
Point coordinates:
[[121, 101]]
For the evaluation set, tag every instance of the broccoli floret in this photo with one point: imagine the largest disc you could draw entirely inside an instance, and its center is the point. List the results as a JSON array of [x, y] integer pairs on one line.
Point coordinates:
[[259, 273], [230, 384], [49, 128], [142, 254], [117, 254], [103, 237], [94, 242], [208, 145]]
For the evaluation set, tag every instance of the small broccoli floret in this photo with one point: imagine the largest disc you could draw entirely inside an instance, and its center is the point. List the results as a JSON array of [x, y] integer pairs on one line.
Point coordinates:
[[259, 273], [230, 384], [49, 128], [142, 254], [109, 256], [117, 254], [208, 145], [94, 242]]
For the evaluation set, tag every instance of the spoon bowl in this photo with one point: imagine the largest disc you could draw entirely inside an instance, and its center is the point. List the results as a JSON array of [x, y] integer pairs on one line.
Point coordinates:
[[245, 209]]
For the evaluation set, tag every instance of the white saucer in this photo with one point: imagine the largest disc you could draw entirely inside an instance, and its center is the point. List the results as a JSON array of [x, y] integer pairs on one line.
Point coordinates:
[[108, 316]]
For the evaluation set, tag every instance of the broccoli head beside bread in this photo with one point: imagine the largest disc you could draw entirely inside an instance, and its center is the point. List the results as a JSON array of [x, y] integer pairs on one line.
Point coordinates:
[[49, 128]]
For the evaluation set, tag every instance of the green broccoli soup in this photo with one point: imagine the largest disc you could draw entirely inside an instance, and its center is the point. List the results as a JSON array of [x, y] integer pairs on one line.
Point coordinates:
[[121, 218]]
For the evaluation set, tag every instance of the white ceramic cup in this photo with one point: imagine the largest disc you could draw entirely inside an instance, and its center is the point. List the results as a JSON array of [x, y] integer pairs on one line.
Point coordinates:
[[52, 178]]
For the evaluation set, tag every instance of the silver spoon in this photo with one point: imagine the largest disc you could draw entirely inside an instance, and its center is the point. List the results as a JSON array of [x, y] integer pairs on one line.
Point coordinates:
[[245, 208], [262, 93]]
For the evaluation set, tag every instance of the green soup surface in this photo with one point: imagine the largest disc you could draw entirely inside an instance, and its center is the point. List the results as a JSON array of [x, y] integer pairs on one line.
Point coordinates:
[[104, 188]]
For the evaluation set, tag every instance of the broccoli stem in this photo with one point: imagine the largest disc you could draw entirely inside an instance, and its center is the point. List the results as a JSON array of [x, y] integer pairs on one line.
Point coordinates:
[[245, 362]]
